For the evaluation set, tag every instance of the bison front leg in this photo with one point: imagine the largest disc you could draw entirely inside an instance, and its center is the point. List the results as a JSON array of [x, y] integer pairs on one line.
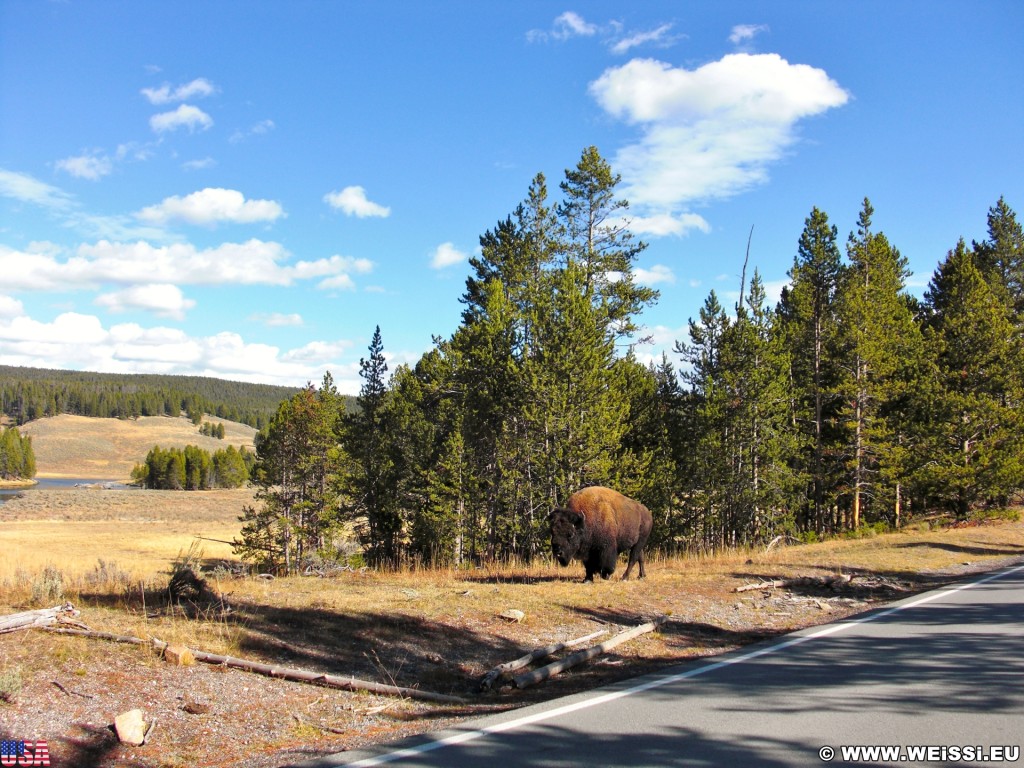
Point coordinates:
[[596, 563]]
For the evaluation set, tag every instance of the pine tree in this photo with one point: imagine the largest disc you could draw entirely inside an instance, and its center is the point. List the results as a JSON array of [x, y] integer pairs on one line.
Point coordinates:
[[601, 245], [880, 343], [1001, 258], [974, 444], [297, 461], [369, 481], [809, 324]]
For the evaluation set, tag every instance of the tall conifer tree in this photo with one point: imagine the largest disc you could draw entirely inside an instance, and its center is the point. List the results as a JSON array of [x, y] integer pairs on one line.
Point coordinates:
[[808, 314]]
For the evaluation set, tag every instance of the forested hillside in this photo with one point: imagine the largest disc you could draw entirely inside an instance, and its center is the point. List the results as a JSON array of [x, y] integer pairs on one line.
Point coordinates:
[[849, 404], [32, 393]]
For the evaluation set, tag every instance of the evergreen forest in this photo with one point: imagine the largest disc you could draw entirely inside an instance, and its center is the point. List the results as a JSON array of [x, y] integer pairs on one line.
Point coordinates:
[[193, 469], [17, 459], [27, 394], [849, 404]]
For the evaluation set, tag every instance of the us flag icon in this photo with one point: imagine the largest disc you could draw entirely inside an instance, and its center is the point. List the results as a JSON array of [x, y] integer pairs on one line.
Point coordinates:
[[18, 752]]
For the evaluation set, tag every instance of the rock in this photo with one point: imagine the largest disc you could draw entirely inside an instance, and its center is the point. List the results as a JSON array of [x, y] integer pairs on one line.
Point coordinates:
[[195, 707], [512, 615], [179, 655], [130, 727]]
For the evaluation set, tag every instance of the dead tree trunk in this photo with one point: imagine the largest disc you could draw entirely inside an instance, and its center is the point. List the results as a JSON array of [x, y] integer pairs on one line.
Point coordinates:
[[539, 675], [44, 617], [540, 653], [285, 673]]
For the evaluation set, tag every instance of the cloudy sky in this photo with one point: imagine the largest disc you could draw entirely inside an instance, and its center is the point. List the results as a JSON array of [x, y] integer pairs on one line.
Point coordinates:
[[245, 190]]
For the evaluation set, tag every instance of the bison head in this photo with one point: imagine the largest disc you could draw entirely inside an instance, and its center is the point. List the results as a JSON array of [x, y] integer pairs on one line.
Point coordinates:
[[566, 534]]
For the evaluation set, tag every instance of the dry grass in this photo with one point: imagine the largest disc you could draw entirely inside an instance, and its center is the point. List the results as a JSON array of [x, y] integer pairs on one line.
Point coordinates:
[[108, 449], [141, 531]]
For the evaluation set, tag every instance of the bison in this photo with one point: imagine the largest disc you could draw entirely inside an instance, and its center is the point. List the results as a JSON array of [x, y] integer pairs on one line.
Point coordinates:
[[595, 526]]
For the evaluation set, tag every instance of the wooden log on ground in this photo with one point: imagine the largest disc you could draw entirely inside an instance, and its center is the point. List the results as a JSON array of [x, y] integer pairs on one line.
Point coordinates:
[[487, 682], [539, 675], [347, 683], [44, 617]]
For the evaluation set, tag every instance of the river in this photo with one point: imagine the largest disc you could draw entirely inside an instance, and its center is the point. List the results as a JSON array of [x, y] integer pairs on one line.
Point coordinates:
[[60, 483]]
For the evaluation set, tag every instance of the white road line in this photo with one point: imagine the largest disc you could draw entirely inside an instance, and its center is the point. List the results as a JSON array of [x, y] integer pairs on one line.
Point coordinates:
[[831, 629]]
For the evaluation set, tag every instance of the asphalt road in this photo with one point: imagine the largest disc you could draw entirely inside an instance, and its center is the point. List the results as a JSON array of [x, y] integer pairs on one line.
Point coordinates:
[[943, 670]]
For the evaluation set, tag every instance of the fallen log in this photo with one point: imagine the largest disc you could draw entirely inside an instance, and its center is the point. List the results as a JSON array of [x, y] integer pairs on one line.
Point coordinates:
[[830, 582], [487, 682], [43, 617], [347, 683], [539, 675]]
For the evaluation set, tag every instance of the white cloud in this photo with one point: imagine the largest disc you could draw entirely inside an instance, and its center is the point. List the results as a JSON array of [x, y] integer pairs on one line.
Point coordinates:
[[135, 150], [76, 341], [568, 24], [86, 166], [166, 95], [662, 224], [318, 351], [70, 329], [711, 132], [741, 33], [446, 255], [163, 299], [659, 36], [277, 319], [352, 201], [659, 273], [199, 165], [210, 206], [185, 116], [261, 128], [27, 189], [571, 24], [10, 307], [253, 262]]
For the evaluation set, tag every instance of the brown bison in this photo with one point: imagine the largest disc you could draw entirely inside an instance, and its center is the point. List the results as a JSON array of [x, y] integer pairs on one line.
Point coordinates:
[[595, 526]]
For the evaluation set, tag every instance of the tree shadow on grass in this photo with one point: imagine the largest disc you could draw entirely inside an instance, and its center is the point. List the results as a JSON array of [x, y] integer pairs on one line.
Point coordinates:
[[981, 551]]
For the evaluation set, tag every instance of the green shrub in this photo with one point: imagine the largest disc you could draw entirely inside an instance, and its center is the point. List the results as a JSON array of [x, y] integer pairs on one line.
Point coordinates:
[[48, 587], [10, 684]]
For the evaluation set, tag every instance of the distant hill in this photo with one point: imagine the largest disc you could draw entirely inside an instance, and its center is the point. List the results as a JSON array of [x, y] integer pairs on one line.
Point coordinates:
[[32, 393], [108, 449]]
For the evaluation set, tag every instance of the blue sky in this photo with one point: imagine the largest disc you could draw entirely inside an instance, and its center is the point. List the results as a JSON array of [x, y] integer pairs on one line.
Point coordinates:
[[245, 190]]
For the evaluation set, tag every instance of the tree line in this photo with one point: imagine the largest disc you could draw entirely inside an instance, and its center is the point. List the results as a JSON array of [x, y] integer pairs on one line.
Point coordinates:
[[193, 469], [17, 459], [849, 403], [27, 394]]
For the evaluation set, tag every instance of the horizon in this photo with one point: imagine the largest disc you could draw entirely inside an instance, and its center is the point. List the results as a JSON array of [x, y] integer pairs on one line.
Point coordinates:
[[245, 193]]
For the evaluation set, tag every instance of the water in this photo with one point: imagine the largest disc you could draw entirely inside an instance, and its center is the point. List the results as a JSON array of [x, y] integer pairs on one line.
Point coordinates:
[[59, 483]]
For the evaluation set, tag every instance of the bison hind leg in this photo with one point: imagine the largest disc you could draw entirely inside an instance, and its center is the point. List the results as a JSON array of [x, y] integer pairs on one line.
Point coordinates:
[[636, 555]]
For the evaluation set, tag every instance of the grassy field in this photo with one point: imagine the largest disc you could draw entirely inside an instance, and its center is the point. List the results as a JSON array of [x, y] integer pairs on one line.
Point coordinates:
[[108, 449], [141, 531]]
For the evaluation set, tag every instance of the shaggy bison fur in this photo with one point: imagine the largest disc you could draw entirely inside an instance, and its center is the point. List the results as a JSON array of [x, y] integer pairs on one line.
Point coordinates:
[[595, 526]]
